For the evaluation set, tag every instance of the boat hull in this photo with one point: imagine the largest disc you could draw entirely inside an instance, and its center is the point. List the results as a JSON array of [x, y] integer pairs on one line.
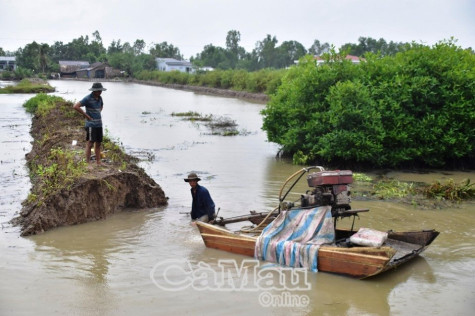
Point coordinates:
[[358, 262]]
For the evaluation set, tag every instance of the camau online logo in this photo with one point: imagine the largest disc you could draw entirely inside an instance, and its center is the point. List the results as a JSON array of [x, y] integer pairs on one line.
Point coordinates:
[[227, 275]]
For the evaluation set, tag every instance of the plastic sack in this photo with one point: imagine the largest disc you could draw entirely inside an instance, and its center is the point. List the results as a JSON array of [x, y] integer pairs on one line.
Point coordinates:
[[369, 237]]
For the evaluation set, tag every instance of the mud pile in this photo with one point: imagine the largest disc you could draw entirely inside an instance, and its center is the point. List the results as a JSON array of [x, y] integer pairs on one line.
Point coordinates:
[[93, 192]]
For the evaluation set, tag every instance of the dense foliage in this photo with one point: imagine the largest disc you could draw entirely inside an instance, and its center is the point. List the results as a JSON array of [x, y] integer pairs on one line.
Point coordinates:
[[413, 109], [41, 58], [262, 81], [371, 45]]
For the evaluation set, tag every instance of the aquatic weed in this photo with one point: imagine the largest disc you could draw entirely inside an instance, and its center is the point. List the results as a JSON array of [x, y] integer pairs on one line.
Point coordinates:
[[390, 188], [361, 177], [450, 191], [187, 114]]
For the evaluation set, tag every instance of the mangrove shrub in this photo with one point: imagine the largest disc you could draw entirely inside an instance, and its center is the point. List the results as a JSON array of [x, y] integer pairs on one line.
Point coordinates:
[[262, 81], [412, 109]]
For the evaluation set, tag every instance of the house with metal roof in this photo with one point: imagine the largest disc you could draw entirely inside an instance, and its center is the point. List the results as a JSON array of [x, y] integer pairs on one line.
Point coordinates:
[[68, 68], [99, 70], [171, 64], [7, 63]]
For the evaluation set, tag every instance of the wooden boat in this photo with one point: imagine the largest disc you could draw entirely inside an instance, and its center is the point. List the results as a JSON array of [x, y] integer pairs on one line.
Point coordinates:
[[330, 188], [341, 258]]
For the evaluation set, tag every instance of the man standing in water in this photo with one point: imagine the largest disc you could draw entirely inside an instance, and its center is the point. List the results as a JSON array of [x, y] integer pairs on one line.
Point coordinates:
[[93, 107], [202, 207]]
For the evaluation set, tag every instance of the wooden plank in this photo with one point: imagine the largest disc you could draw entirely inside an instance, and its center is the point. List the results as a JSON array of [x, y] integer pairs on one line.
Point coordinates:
[[243, 246], [353, 263], [382, 251], [351, 268]]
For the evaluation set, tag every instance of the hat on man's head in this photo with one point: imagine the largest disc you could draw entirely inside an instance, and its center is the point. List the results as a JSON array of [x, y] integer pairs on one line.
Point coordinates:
[[192, 176], [97, 86]]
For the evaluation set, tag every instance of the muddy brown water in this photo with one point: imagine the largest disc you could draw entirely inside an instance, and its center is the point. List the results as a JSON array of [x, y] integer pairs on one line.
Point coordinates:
[[152, 262]]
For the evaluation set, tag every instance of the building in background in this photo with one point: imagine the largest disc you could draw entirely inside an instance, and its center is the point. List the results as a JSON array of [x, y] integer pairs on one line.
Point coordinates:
[[82, 69], [171, 64], [7, 63], [99, 70], [69, 68]]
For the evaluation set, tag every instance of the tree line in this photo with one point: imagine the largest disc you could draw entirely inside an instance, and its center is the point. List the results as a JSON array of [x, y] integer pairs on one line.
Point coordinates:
[[133, 57]]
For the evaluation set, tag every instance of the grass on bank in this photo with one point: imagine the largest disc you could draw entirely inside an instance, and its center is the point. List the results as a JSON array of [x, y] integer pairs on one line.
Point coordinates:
[[60, 171], [263, 81], [28, 86]]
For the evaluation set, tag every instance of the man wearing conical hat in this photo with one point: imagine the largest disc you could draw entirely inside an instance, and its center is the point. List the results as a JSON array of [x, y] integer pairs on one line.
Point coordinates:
[[93, 106], [202, 207]]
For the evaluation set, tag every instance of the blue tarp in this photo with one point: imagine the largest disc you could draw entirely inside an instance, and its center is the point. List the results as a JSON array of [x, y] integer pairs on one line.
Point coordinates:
[[294, 237]]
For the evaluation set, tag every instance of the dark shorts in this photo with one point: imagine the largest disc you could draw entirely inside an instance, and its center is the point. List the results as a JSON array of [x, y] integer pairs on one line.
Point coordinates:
[[94, 134]]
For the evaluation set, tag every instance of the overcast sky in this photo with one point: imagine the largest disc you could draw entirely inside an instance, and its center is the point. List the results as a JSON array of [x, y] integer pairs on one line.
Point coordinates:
[[192, 24]]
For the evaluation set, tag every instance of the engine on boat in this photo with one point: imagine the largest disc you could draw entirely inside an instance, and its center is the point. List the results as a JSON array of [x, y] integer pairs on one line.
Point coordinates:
[[329, 188]]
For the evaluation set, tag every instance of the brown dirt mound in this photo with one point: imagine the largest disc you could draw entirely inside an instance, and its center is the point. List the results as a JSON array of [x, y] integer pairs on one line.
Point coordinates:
[[93, 194]]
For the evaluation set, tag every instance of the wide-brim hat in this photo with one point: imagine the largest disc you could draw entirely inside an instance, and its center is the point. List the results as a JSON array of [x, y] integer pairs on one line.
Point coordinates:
[[192, 176], [97, 86]]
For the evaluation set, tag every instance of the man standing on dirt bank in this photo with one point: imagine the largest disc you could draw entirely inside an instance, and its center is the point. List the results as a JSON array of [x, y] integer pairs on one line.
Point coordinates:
[[93, 104], [202, 207]]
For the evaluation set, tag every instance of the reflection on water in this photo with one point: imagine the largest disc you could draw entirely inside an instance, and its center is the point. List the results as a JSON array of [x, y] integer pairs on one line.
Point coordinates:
[[104, 267]]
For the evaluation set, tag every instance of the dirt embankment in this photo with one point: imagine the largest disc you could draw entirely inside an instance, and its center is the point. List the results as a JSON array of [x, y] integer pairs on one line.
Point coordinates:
[[61, 197], [258, 97]]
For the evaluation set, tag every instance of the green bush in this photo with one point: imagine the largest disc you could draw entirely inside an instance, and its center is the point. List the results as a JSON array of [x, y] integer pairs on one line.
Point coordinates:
[[227, 79], [211, 79], [41, 103], [262, 81], [22, 73], [240, 79], [274, 80], [413, 109], [354, 131], [7, 75]]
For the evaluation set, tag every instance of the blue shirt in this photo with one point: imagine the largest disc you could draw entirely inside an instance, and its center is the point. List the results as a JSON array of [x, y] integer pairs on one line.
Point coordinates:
[[93, 109], [202, 203]]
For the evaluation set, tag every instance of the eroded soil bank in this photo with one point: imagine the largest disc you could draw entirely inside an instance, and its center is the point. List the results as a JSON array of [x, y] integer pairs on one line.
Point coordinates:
[[89, 193]]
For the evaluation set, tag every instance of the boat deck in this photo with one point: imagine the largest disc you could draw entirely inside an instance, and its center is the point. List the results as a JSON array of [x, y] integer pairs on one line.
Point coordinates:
[[402, 248]]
